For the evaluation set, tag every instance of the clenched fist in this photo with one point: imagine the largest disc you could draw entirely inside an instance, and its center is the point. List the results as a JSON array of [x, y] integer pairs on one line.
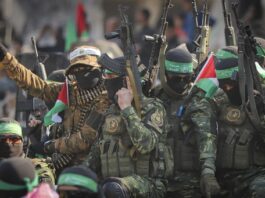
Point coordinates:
[[125, 98]]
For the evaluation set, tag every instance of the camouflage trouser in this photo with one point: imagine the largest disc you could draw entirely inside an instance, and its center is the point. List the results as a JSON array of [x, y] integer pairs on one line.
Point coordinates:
[[184, 185], [144, 187], [248, 183]]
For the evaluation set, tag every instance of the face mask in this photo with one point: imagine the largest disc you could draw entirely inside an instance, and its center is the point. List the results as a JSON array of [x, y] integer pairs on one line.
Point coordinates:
[[8, 150], [179, 84], [87, 79], [112, 86]]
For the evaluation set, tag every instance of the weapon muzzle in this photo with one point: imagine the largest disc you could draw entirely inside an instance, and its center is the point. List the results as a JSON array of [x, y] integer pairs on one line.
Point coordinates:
[[112, 35]]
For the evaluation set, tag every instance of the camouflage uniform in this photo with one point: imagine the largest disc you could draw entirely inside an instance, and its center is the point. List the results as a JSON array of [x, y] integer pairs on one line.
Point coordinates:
[[240, 152], [132, 151], [71, 143]]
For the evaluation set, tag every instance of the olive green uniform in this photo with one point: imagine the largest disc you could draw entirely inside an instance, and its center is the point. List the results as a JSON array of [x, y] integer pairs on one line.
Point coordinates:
[[133, 151], [240, 152]]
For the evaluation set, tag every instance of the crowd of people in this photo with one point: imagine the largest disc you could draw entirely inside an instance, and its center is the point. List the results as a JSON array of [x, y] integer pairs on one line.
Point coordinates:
[[199, 131]]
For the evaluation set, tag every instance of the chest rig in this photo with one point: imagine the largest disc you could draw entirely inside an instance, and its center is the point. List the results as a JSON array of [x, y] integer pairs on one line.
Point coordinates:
[[239, 146], [181, 138], [120, 158]]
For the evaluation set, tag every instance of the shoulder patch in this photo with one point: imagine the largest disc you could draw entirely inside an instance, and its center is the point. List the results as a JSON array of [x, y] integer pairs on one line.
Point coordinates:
[[157, 118]]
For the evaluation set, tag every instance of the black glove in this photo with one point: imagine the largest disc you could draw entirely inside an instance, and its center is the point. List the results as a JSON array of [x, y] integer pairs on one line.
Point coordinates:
[[3, 51], [49, 147], [209, 185]]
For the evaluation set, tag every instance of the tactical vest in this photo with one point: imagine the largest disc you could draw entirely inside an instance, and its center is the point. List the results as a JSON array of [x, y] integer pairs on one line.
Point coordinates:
[[119, 157], [182, 139], [239, 146]]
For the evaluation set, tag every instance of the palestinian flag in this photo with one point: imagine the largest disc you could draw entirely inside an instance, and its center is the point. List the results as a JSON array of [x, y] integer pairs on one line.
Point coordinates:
[[206, 79], [52, 116], [76, 27]]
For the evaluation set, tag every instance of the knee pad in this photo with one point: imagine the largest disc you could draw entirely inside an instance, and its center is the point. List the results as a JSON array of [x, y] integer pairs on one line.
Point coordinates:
[[115, 190]]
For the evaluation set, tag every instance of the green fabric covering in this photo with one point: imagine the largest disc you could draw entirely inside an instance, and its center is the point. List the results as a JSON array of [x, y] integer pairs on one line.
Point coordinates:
[[208, 86], [260, 51], [224, 54], [226, 73], [106, 71], [71, 179], [260, 70], [12, 128], [29, 185], [183, 68], [58, 107]]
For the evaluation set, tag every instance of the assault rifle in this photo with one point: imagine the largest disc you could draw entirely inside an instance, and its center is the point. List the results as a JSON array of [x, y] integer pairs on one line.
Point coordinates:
[[201, 40], [157, 41], [230, 38], [196, 24], [40, 66], [126, 35], [248, 74]]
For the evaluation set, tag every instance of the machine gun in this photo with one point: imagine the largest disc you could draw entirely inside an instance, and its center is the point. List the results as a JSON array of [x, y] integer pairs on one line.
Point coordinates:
[[248, 74], [157, 41], [126, 35], [201, 41], [230, 38]]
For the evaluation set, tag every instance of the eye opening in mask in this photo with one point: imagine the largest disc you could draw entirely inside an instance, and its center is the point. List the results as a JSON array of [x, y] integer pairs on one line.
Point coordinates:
[[179, 77], [14, 139]]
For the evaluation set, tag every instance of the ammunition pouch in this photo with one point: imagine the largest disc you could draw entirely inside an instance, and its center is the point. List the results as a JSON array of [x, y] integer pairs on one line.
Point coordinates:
[[234, 149], [186, 157], [162, 163], [116, 161]]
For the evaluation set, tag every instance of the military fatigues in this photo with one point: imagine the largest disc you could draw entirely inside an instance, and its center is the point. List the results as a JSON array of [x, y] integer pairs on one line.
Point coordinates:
[[76, 144], [133, 151], [185, 132], [45, 170], [240, 152]]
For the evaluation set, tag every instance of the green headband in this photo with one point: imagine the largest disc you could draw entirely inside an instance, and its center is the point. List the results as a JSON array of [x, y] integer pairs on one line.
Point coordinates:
[[224, 54], [71, 179], [106, 71], [29, 184], [12, 128], [184, 68], [226, 73], [260, 51]]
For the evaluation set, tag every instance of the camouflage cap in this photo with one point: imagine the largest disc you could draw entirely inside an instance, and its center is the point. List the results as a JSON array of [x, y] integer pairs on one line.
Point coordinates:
[[84, 55]]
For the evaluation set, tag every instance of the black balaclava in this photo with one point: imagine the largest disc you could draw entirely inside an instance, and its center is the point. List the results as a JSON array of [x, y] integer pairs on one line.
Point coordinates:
[[226, 72], [112, 86], [88, 79], [178, 69]]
